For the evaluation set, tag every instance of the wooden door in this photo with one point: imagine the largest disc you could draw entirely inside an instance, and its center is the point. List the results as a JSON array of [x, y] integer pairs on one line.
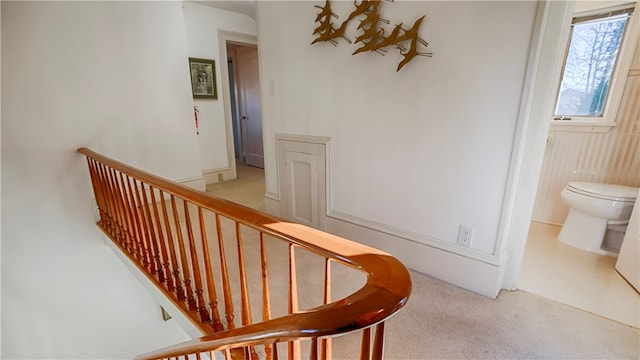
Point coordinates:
[[248, 81]]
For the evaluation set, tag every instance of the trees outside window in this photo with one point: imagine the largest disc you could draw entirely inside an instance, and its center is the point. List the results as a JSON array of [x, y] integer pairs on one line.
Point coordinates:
[[589, 64]]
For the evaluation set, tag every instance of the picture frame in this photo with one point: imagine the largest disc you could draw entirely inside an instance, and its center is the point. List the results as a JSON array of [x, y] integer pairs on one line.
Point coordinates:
[[203, 78]]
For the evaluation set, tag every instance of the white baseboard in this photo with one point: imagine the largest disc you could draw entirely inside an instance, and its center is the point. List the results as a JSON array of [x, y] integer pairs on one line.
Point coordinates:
[[197, 183], [272, 204], [217, 175], [468, 272]]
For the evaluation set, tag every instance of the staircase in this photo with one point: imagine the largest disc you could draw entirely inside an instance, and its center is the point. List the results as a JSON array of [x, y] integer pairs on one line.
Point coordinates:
[[257, 286]]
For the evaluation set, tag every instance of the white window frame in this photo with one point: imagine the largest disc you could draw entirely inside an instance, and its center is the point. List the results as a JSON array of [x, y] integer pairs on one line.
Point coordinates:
[[619, 76]]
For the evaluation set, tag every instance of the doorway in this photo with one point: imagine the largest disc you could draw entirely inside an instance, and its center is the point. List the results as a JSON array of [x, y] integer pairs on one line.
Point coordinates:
[[242, 100], [565, 274], [244, 90]]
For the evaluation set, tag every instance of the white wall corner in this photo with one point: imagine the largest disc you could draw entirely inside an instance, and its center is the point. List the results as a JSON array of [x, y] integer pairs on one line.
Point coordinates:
[[218, 175], [272, 204], [197, 183]]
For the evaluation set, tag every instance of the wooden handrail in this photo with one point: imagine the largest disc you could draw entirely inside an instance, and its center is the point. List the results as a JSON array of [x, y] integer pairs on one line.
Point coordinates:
[[141, 225]]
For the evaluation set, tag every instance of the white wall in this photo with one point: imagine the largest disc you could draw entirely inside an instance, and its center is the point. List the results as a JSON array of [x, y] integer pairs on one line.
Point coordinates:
[[202, 24], [414, 153], [112, 76]]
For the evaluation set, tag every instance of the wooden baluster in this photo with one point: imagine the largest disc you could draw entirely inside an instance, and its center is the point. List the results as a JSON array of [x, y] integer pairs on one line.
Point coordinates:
[[247, 318], [127, 215], [174, 287], [294, 346], [325, 344], [146, 241], [211, 285], [191, 303], [106, 188], [244, 287], [365, 346], [135, 220], [378, 342], [201, 306], [227, 354], [95, 183], [121, 211], [266, 298], [131, 218], [156, 267], [113, 208], [226, 286], [117, 198], [313, 351], [101, 196], [163, 258]]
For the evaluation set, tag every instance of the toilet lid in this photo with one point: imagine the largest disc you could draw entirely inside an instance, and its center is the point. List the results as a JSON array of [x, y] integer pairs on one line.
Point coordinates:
[[614, 192]]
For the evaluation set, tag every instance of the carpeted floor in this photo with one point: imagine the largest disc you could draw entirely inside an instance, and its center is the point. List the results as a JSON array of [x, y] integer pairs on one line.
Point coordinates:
[[442, 321]]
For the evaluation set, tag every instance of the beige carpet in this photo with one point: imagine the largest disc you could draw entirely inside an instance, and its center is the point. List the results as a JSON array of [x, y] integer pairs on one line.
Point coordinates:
[[442, 321]]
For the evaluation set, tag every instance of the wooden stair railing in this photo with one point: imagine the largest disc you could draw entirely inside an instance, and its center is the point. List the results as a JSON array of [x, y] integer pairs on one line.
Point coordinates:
[[207, 255]]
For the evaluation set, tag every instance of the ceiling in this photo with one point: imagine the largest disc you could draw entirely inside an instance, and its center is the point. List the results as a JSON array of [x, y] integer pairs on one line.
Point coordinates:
[[247, 7]]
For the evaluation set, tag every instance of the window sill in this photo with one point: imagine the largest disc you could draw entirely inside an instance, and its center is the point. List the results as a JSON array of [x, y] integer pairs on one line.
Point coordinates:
[[582, 126]]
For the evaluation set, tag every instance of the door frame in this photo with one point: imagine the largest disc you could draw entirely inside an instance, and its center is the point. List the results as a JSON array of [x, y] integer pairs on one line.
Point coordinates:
[[546, 58], [223, 37]]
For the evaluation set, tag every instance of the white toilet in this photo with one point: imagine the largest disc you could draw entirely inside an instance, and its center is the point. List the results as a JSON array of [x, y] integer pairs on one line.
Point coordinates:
[[593, 206]]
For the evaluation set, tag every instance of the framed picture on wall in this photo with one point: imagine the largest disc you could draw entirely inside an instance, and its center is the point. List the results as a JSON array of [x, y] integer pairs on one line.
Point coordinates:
[[203, 78]]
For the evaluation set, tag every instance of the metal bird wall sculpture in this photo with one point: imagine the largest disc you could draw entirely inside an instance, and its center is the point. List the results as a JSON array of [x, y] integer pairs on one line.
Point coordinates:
[[371, 35]]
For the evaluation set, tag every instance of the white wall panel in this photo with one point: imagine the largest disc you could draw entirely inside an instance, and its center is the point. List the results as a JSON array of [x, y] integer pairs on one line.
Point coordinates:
[[202, 24], [111, 76], [424, 149]]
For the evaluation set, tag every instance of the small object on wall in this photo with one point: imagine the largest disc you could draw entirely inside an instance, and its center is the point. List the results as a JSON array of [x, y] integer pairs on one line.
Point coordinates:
[[372, 36], [165, 314], [203, 78], [195, 113]]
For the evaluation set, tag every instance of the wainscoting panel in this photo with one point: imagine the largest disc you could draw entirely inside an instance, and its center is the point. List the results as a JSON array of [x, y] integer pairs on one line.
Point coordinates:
[[302, 181], [302, 174]]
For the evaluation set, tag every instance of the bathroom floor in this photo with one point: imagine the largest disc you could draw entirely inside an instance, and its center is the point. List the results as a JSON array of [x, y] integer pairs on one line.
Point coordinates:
[[575, 277]]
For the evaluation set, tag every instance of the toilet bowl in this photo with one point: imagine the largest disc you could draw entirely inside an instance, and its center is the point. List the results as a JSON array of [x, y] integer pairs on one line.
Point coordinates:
[[592, 206]]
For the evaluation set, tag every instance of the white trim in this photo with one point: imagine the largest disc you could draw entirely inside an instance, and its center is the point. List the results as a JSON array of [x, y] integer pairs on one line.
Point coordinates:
[[538, 103], [588, 8], [471, 274], [197, 182], [272, 204], [416, 238], [211, 176], [272, 196], [596, 126]]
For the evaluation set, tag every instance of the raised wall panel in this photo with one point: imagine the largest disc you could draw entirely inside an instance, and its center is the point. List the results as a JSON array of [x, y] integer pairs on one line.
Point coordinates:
[[302, 169], [302, 181]]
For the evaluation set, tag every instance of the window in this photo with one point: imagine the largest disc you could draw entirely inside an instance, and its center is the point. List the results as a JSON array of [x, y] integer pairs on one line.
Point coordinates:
[[592, 65]]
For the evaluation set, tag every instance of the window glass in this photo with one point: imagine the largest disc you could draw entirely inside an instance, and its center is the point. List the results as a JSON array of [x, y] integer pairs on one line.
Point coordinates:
[[589, 64]]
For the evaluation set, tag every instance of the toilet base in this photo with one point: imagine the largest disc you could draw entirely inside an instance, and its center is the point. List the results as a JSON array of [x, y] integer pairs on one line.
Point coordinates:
[[584, 232]]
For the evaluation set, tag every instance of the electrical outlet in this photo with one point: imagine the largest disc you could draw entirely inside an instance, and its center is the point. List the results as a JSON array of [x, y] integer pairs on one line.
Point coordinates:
[[465, 236], [220, 178]]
